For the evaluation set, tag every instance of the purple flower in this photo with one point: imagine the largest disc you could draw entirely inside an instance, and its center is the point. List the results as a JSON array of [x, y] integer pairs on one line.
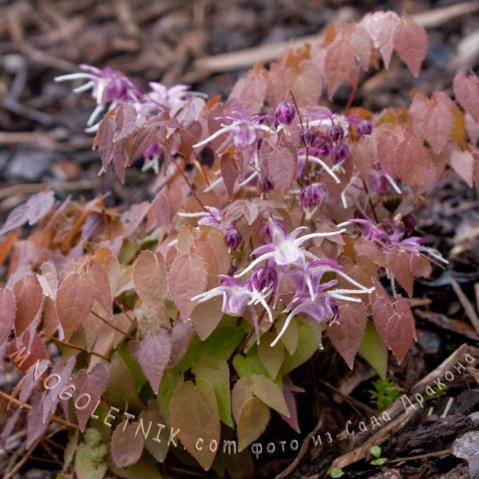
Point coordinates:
[[232, 237], [284, 113], [243, 129], [285, 249], [212, 216], [264, 278], [310, 197], [152, 150], [152, 154], [108, 86], [365, 128], [340, 152], [380, 181], [308, 137], [237, 297], [335, 133], [266, 184]]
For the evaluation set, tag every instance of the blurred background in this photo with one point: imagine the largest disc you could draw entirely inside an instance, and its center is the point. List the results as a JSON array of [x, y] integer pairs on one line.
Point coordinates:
[[205, 43]]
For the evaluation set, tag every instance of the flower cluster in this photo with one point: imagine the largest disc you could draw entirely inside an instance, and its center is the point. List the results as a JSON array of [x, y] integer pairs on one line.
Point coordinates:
[[284, 272]]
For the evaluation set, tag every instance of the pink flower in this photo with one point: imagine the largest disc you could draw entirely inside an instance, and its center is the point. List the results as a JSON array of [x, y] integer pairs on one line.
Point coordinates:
[[286, 249], [243, 129]]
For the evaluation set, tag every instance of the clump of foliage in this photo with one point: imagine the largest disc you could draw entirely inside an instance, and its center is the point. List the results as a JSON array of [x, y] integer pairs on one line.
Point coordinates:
[[272, 221], [384, 393]]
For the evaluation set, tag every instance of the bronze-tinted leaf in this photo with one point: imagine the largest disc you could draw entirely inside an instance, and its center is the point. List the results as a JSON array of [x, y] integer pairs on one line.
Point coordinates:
[[153, 354], [394, 321], [187, 277], [74, 302], [194, 411], [347, 335], [149, 278], [126, 445], [28, 296], [410, 43], [7, 313], [253, 419]]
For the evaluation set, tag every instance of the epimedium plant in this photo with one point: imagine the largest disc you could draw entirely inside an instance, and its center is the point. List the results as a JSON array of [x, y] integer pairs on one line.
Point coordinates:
[[178, 321]]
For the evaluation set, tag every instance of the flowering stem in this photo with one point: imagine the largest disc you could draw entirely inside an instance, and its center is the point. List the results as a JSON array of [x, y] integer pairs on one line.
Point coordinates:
[[112, 326], [193, 192]]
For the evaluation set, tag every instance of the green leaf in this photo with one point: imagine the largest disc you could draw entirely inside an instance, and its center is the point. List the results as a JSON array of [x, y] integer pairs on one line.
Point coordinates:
[[253, 419], [309, 341], [217, 375], [271, 358], [291, 335], [121, 385], [250, 364], [374, 351], [379, 462], [270, 393], [375, 451], [133, 366], [337, 472], [151, 416], [145, 468], [90, 457], [220, 345], [194, 411], [169, 382]]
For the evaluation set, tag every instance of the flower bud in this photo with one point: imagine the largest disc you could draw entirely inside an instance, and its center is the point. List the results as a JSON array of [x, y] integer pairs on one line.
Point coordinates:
[[310, 197], [335, 133], [377, 180], [266, 184], [284, 113], [232, 237], [340, 153], [308, 137], [264, 277], [152, 150], [365, 128]]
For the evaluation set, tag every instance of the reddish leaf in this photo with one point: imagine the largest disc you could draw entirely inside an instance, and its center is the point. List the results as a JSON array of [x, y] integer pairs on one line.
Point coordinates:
[[181, 336], [347, 335], [99, 277], [125, 119], [153, 353], [186, 278], [74, 302], [437, 126], [410, 43], [249, 91], [104, 141], [399, 262], [338, 65], [29, 296], [413, 162], [292, 419], [394, 321], [381, 27], [149, 278], [61, 375], [89, 384], [462, 162], [361, 42], [280, 163], [7, 313], [466, 91], [31, 212], [126, 444]]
